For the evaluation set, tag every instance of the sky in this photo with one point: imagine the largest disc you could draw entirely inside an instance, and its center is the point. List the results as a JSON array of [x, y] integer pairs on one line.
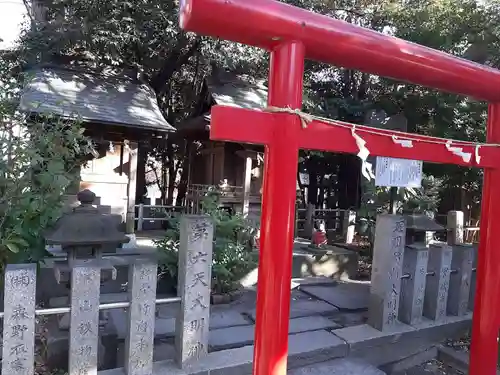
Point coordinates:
[[12, 15]]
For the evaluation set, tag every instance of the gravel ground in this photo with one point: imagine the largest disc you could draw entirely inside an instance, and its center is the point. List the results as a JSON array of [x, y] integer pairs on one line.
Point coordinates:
[[433, 367]]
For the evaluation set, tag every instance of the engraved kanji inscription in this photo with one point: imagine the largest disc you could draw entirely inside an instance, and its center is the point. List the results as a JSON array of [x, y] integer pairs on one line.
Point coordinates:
[[85, 305], [21, 280], [18, 349], [399, 227], [196, 350], [85, 328], [145, 273], [19, 313], [198, 302], [199, 279], [198, 257], [141, 345], [145, 308], [18, 331], [84, 350], [17, 365], [142, 327], [198, 230], [197, 324]]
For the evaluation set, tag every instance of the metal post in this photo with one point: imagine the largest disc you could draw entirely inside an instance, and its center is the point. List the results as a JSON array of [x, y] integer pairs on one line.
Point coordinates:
[[140, 219], [484, 349], [278, 206]]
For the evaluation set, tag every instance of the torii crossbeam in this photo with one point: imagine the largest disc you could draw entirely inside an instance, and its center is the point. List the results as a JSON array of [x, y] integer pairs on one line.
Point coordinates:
[[291, 35]]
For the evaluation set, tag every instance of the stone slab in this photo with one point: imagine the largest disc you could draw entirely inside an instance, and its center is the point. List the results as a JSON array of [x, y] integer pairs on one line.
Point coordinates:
[[364, 336], [165, 327], [304, 349], [305, 308], [233, 337], [345, 296], [344, 366]]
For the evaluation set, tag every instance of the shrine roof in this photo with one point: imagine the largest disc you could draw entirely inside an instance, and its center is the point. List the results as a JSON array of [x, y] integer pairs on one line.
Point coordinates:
[[232, 90], [92, 97], [237, 91]]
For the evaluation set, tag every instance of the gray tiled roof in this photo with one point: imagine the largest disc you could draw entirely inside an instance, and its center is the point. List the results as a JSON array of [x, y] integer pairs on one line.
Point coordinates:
[[237, 91], [93, 98]]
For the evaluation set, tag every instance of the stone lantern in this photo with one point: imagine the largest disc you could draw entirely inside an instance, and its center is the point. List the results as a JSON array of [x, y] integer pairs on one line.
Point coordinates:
[[83, 234], [419, 228]]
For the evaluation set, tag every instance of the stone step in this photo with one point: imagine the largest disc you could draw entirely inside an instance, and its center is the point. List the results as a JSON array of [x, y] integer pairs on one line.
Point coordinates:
[[304, 349], [234, 337], [344, 366]]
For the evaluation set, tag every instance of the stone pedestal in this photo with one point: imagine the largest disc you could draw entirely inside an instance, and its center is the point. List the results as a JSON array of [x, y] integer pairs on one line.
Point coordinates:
[[387, 266]]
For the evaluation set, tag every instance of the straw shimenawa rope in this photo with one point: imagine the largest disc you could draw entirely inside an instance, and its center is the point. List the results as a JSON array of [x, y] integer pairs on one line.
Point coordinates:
[[306, 119]]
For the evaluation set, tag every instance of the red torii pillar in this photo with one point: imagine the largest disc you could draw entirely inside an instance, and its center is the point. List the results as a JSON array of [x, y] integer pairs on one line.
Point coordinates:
[[292, 34]]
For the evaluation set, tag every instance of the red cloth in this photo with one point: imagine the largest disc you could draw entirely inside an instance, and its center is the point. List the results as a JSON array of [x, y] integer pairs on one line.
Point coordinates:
[[319, 238]]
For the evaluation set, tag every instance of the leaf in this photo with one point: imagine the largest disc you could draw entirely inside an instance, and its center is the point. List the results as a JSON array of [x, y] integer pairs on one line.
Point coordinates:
[[12, 247]]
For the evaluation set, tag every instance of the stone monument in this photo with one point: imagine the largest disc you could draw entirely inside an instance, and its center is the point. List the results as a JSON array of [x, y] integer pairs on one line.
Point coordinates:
[[194, 287]]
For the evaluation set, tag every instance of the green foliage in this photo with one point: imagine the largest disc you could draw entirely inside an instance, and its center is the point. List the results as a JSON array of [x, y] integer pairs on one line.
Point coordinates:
[[232, 256], [424, 200], [38, 160], [145, 36]]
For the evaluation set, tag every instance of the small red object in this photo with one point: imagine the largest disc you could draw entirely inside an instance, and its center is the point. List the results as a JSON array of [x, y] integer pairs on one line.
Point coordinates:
[[319, 238]]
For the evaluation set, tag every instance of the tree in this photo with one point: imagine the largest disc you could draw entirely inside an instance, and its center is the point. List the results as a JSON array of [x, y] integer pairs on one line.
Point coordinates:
[[144, 35], [38, 160]]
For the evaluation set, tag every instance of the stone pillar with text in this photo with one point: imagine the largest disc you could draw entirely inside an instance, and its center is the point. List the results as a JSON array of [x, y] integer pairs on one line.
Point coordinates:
[[18, 354], [388, 249], [194, 287]]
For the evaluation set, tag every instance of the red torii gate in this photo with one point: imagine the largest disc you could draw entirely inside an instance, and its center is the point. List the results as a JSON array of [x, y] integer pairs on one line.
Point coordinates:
[[291, 35]]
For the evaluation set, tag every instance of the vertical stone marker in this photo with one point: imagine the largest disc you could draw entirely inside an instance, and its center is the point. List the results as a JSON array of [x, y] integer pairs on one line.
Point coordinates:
[[438, 282], [460, 279], [390, 235], [84, 324], [413, 286], [18, 353], [194, 286], [455, 227], [472, 291], [141, 317]]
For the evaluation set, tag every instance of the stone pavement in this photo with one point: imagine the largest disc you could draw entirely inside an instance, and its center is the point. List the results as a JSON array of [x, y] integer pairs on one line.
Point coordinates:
[[342, 366], [232, 325]]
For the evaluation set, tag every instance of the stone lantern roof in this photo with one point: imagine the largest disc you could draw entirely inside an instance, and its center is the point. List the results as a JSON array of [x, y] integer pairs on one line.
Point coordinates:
[[85, 226]]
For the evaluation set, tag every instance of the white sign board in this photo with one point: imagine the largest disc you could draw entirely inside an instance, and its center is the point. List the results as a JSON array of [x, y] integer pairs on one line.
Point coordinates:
[[398, 172]]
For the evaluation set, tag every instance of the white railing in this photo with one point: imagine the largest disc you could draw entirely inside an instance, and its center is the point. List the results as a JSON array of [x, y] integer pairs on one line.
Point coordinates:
[[226, 191], [148, 212]]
